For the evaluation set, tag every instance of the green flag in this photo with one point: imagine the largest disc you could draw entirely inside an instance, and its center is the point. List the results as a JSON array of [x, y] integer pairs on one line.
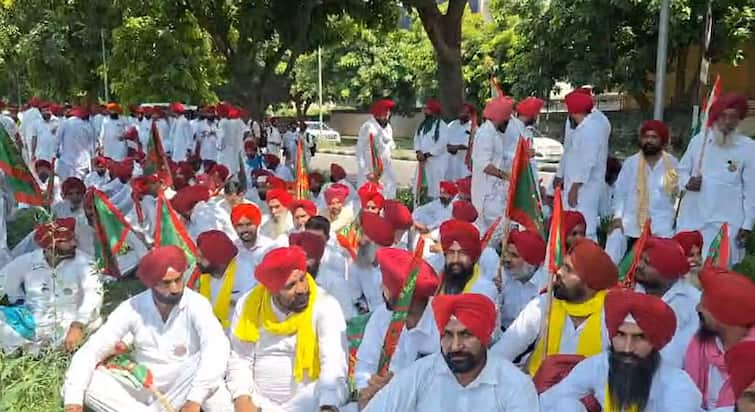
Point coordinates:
[[111, 229], [19, 178], [524, 201], [170, 231]]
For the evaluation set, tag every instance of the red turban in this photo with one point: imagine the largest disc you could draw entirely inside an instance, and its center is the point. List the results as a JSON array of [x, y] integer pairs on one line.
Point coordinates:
[[309, 207], [313, 244], [433, 106], [256, 173], [687, 240], [131, 134], [667, 257], [476, 312], [593, 265], [280, 195], [650, 313], [42, 163], [188, 197], [59, 230], [465, 186], [275, 182], [246, 210], [728, 296], [465, 233], [216, 247], [220, 170], [397, 214], [155, 264], [186, 169], [80, 112], [578, 102], [529, 245], [72, 183], [234, 113], [272, 161], [396, 264], [336, 191], [176, 107], [278, 264], [337, 172], [499, 109], [740, 364], [316, 177], [114, 107], [734, 101], [658, 127], [464, 210], [100, 161], [122, 170], [448, 188], [382, 107], [376, 198], [377, 228], [570, 220], [530, 107]]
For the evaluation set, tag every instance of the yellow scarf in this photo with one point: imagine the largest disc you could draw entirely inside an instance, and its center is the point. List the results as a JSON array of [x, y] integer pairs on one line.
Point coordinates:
[[670, 185], [590, 341], [222, 306], [258, 310], [468, 286], [609, 404]]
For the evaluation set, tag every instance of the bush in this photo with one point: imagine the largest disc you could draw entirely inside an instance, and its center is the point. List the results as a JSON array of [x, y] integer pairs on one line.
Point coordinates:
[[32, 383], [405, 196], [23, 223], [747, 265]]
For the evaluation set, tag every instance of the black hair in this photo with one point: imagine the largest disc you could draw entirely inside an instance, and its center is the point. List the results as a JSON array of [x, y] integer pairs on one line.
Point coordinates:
[[233, 187], [318, 223]]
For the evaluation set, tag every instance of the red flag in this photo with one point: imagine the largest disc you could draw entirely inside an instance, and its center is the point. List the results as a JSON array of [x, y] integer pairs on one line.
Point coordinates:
[[556, 243], [718, 251], [524, 201], [155, 160], [302, 179], [628, 264]]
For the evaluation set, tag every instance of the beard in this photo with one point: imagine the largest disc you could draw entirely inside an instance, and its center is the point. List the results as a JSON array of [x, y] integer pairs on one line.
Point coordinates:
[[248, 236], [300, 303], [382, 122], [705, 333], [502, 127], [366, 254], [561, 291], [456, 277], [463, 362], [723, 138], [445, 201], [650, 149], [522, 274], [630, 378], [281, 224], [171, 299]]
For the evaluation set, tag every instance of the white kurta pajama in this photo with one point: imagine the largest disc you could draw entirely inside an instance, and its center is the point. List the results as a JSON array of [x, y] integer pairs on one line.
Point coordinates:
[[207, 134], [432, 214], [46, 143], [516, 295], [383, 137], [435, 142], [584, 161], [264, 369], [56, 297], [76, 146], [181, 138], [94, 179], [187, 355], [111, 138], [366, 281], [429, 386], [333, 276], [488, 192], [231, 143], [727, 193], [671, 389], [458, 134]]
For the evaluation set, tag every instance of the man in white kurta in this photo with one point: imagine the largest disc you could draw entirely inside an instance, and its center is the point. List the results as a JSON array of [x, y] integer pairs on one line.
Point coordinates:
[[252, 245], [459, 131], [522, 257], [640, 326], [288, 341], [111, 138], [230, 140], [280, 221], [464, 376], [274, 140], [76, 145], [718, 172], [207, 133], [379, 151], [429, 216], [584, 160], [54, 292], [171, 331], [181, 134], [430, 146], [43, 143], [29, 119]]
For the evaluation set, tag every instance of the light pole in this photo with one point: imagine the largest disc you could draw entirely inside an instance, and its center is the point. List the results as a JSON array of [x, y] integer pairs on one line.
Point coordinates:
[[104, 65], [660, 62], [319, 82]]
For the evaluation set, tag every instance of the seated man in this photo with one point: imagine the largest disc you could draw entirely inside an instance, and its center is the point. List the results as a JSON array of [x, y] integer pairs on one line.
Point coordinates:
[[461, 272], [43, 170], [98, 177], [573, 226], [288, 341], [73, 195], [54, 293], [692, 243], [175, 336], [221, 282], [429, 216], [339, 213], [370, 198], [364, 275], [740, 361], [462, 376], [418, 338], [399, 216], [630, 375], [251, 245], [524, 253], [660, 272], [281, 222], [302, 210], [575, 318]]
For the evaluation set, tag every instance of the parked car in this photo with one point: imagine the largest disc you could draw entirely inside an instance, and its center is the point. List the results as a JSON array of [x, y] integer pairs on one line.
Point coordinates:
[[548, 153], [322, 132]]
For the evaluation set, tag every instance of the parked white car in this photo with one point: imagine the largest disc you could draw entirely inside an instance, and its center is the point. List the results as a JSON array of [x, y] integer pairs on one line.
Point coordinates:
[[548, 154], [322, 132]]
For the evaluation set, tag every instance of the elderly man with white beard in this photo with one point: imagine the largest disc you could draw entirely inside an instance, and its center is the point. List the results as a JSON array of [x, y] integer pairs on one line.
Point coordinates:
[[718, 172], [281, 221], [364, 278], [524, 253]]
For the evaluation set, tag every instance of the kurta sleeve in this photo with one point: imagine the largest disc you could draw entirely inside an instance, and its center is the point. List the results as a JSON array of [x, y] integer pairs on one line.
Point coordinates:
[[214, 352], [97, 348], [424, 214], [11, 279], [580, 382], [368, 354], [587, 147], [440, 147], [689, 161], [620, 187], [240, 375], [748, 181], [522, 332], [400, 394], [92, 294], [363, 146], [680, 394], [331, 339], [482, 150]]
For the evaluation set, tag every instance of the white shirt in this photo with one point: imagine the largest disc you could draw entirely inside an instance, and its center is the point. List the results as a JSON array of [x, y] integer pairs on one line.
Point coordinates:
[[94, 179], [433, 214], [76, 142], [458, 134], [526, 329], [73, 295], [333, 276], [584, 160], [181, 137], [516, 295], [242, 283], [9, 124], [488, 149], [413, 344], [230, 142], [207, 133], [671, 389], [248, 258], [660, 204], [264, 369], [429, 386], [191, 337], [46, 143], [367, 281], [383, 137], [728, 190], [111, 138]]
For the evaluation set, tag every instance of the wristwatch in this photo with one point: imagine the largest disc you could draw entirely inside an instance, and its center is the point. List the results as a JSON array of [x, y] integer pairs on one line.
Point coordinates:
[[330, 408]]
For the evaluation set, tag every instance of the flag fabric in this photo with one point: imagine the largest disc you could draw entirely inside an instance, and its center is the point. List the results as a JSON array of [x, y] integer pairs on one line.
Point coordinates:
[[718, 251], [523, 204], [556, 243], [111, 229], [400, 311], [420, 185], [488, 235], [375, 160], [170, 231], [348, 238], [703, 120], [155, 161], [628, 264], [18, 177], [495, 89], [302, 179], [354, 332]]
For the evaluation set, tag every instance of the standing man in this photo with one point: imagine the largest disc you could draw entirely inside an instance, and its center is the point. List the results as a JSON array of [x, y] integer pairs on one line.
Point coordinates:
[[43, 144], [181, 133], [584, 159], [111, 137], [430, 145], [230, 142], [76, 145], [459, 132], [274, 140], [377, 129], [207, 133], [718, 172]]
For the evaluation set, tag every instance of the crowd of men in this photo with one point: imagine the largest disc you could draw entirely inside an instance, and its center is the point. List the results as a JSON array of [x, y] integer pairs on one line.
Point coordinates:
[[345, 299]]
